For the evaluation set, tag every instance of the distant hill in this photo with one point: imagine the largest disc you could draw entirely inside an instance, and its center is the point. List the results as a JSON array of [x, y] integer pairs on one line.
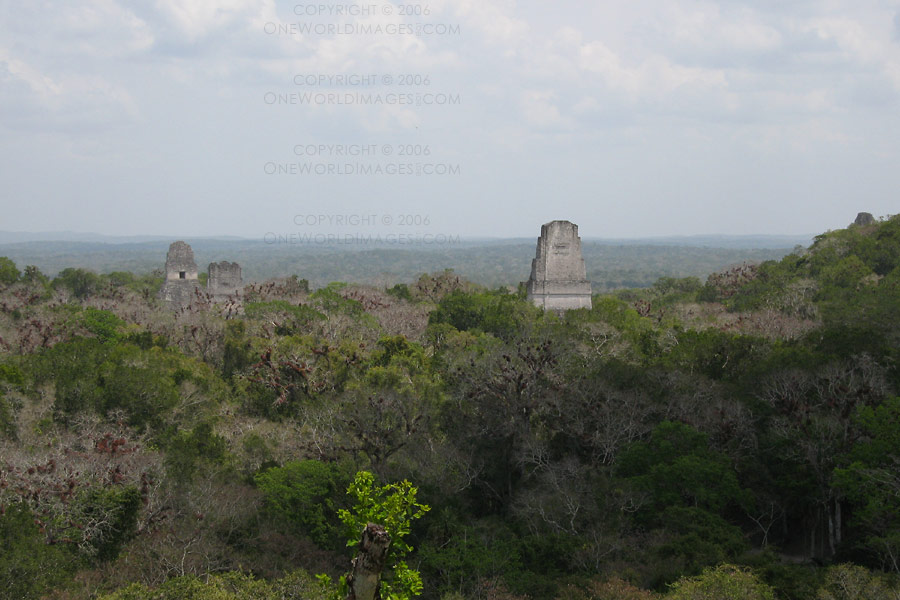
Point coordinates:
[[15, 237], [715, 241], [699, 241], [492, 262]]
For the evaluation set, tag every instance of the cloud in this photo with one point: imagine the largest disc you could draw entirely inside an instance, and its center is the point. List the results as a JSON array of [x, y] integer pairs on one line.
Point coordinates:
[[81, 27], [715, 34], [652, 77], [492, 20], [56, 72], [72, 102], [198, 18], [539, 110], [95, 30], [41, 86], [761, 78]]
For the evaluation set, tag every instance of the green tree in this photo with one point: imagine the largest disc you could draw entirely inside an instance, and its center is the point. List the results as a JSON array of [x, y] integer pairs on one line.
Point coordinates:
[[9, 273], [9, 374], [28, 566], [872, 481], [677, 467], [499, 313], [305, 494], [716, 354], [32, 274], [112, 514], [80, 282], [688, 490], [611, 589], [102, 323], [331, 301], [289, 319], [188, 451], [725, 582], [238, 353], [227, 586], [400, 291], [501, 392], [845, 273], [852, 582], [394, 507], [458, 557], [393, 404]]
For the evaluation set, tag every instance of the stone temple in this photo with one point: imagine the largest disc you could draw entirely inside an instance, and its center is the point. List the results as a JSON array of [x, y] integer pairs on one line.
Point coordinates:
[[558, 278], [864, 219], [224, 280], [181, 284]]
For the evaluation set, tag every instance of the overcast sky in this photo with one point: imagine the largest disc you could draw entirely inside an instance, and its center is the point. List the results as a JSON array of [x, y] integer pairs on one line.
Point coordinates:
[[483, 117]]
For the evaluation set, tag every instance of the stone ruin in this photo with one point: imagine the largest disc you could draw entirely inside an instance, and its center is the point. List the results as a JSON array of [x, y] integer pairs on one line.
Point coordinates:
[[864, 219], [182, 285], [558, 278], [224, 280]]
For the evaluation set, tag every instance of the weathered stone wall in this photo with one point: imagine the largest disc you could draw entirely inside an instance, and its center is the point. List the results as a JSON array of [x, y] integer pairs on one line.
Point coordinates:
[[224, 279], [864, 219], [558, 278], [180, 262], [181, 286]]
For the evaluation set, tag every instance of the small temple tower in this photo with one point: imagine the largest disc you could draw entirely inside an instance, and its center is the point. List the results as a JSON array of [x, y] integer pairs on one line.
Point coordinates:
[[863, 219], [181, 283], [558, 278], [225, 281]]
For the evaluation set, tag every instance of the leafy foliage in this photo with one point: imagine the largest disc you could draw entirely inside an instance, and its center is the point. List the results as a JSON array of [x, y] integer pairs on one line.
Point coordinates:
[[102, 323], [80, 282], [872, 480], [28, 566], [189, 451], [113, 513], [229, 586], [9, 273], [752, 418], [305, 494], [852, 582], [394, 507], [498, 313], [725, 582]]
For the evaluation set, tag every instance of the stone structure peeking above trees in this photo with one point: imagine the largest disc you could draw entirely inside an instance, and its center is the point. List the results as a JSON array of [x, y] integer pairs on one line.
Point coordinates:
[[558, 278], [182, 283]]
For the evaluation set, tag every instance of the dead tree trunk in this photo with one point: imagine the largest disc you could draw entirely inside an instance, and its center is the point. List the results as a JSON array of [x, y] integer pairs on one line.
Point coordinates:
[[365, 569]]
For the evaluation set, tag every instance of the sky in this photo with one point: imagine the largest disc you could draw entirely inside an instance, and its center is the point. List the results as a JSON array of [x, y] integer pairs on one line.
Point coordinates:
[[272, 119]]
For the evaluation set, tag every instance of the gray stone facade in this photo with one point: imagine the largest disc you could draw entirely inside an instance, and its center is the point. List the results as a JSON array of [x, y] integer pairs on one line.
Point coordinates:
[[224, 280], [864, 219], [558, 278], [181, 285]]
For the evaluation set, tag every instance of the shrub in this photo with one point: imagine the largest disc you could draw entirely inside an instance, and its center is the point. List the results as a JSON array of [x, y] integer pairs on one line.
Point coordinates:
[[28, 566], [102, 323], [9, 273], [725, 582], [114, 511], [306, 495], [80, 282], [613, 589], [852, 582]]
